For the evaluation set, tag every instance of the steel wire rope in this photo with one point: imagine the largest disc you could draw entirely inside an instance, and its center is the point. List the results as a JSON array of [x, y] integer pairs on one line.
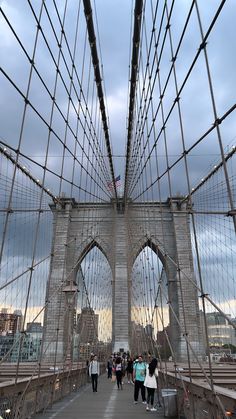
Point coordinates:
[[28, 102], [47, 302], [217, 398], [177, 371], [144, 97], [9, 202], [155, 306], [134, 146], [102, 69], [213, 101], [87, 258], [219, 120], [73, 64], [186, 331], [134, 69], [38, 164], [145, 295], [171, 260], [80, 94], [62, 166], [20, 138], [48, 170], [193, 221], [93, 256], [92, 40], [172, 350], [147, 319], [162, 49], [138, 133], [227, 113], [159, 60], [166, 341], [129, 64], [56, 291], [149, 299], [145, 212], [157, 168]]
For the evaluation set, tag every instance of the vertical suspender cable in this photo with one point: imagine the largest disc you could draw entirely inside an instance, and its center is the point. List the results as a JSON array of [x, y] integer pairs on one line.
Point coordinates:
[[134, 70]]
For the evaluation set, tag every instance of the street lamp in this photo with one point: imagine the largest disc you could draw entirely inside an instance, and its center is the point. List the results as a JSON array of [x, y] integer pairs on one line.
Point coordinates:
[[70, 291]]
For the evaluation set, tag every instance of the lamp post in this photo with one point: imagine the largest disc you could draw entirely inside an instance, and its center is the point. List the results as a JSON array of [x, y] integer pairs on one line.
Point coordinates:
[[70, 291]]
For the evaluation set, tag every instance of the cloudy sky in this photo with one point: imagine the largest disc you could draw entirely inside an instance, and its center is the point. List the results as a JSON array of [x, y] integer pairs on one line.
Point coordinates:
[[114, 28], [29, 132]]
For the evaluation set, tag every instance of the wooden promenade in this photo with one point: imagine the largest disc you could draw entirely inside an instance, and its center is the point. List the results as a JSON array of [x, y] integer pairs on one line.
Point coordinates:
[[107, 403]]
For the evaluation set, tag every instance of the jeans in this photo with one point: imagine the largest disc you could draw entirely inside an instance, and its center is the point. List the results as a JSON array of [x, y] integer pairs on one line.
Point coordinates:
[[150, 395], [139, 385], [94, 378], [119, 379]]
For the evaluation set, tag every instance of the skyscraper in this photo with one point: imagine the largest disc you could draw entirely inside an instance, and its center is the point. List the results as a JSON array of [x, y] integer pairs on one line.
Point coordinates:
[[87, 326], [10, 323]]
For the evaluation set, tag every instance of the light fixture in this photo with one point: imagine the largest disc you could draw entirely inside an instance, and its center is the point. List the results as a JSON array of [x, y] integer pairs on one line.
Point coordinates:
[[70, 291]]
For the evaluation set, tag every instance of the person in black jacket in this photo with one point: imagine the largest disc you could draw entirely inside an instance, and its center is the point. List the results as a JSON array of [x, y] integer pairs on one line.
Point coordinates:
[[109, 367], [129, 370]]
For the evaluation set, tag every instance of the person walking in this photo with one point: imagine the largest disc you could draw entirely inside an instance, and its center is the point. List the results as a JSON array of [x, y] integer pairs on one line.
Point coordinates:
[[109, 367], [139, 372], [119, 372], [150, 383], [129, 370], [94, 371]]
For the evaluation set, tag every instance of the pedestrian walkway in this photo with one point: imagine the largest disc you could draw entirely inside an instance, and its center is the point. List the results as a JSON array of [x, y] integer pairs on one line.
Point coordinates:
[[107, 403]]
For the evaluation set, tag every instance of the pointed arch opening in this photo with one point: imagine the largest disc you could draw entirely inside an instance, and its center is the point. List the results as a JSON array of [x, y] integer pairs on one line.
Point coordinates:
[[149, 308], [93, 316]]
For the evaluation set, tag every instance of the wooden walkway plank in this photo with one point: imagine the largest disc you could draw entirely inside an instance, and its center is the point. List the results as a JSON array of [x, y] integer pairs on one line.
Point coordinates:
[[107, 403]]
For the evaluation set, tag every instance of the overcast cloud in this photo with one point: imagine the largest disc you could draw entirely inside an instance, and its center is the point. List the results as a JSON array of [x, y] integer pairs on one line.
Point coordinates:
[[114, 23]]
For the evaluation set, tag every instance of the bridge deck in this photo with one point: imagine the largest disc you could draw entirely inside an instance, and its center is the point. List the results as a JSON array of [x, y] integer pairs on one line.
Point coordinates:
[[107, 403]]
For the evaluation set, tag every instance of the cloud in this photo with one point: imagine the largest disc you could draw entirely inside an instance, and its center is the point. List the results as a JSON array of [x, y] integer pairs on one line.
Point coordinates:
[[114, 21]]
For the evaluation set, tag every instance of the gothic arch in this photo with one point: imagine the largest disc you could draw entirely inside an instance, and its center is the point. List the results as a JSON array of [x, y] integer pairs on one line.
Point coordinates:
[[87, 248], [152, 245]]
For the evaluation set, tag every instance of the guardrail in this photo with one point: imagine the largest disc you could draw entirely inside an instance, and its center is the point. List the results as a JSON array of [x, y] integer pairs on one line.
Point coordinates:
[[32, 395], [197, 395]]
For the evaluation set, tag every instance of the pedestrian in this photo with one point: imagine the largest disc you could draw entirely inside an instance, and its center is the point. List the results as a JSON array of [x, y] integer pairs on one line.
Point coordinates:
[[87, 366], [94, 371], [129, 370], [109, 367], [150, 383], [139, 373], [119, 372]]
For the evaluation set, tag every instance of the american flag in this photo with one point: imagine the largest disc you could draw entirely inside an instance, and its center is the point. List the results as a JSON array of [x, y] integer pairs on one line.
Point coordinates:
[[117, 182]]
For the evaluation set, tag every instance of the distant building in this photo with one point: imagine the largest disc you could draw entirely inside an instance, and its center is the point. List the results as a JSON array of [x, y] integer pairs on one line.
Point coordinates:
[[87, 326], [139, 345], [220, 331], [6, 343], [10, 323], [10, 337], [149, 329], [85, 351], [162, 343], [34, 328], [30, 348]]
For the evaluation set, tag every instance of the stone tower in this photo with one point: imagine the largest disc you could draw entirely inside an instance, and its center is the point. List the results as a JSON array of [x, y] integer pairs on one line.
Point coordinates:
[[121, 232]]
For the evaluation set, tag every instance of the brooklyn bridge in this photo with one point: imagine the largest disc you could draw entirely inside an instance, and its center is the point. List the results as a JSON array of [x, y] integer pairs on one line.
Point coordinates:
[[117, 209]]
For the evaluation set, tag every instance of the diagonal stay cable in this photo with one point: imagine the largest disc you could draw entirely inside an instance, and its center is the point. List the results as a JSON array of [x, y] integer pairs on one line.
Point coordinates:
[[92, 40]]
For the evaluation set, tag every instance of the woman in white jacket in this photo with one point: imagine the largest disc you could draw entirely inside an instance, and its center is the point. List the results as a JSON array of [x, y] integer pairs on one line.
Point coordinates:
[[151, 383]]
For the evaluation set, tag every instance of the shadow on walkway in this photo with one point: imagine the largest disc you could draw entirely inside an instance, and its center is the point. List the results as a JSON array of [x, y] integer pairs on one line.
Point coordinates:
[[107, 403]]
